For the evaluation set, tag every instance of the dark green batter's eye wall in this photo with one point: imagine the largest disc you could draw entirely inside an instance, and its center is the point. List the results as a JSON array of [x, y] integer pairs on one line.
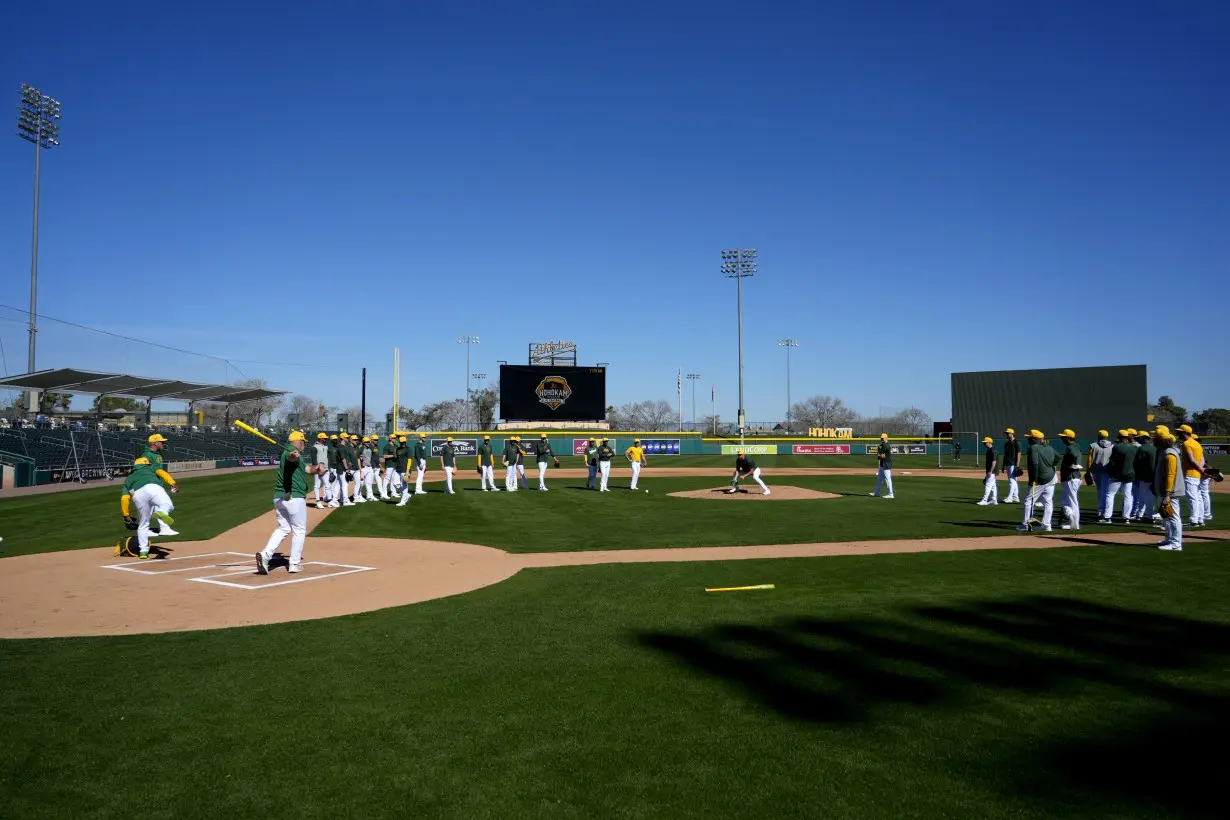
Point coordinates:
[[1084, 399]]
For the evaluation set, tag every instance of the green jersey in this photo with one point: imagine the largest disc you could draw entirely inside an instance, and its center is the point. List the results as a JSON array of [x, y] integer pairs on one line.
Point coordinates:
[[420, 450], [1123, 462], [605, 452], [335, 459], [544, 451], [510, 451], [447, 456], [1041, 464], [153, 458], [486, 455], [141, 475], [1069, 463], [591, 454], [886, 455], [746, 465], [390, 450], [291, 478], [402, 457]]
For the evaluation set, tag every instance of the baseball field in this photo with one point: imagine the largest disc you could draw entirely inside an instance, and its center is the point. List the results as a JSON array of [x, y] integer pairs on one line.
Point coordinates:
[[497, 655]]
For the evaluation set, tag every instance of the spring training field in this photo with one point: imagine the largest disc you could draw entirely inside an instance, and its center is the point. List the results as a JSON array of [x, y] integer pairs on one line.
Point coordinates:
[[1088, 679]]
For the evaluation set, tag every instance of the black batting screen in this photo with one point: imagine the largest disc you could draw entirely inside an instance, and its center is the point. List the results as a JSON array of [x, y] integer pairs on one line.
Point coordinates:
[[1086, 399], [534, 393]]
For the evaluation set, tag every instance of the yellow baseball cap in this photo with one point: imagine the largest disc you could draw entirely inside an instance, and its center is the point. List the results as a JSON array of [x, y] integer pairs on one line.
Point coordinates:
[[1182, 428], [883, 435], [1196, 437], [155, 438], [296, 436], [333, 436], [367, 439], [1162, 430], [1036, 434], [448, 438], [422, 435], [636, 441], [1131, 431], [486, 438], [542, 435], [1067, 434], [322, 435], [1103, 433], [1123, 433], [739, 452], [402, 439], [1010, 430], [988, 440], [604, 438]]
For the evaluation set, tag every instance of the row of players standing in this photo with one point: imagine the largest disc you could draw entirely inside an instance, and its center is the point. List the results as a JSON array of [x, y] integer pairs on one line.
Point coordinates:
[[1144, 466]]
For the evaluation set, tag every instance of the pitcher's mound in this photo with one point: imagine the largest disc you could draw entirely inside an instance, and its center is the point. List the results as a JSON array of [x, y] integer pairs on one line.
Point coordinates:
[[756, 494]]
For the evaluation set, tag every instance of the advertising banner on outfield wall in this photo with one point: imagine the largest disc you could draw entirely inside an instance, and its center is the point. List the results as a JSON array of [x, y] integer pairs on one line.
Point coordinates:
[[461, 446], [257, 462], [750, 449], [821, 449], [1216, 449], [900, 449], [579, 445], [89, 472], [916, 449], [189, 466], [660, 446]]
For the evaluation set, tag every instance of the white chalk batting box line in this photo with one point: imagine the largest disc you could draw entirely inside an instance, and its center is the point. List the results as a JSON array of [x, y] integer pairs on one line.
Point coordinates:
[[130, 567], [347, 569]]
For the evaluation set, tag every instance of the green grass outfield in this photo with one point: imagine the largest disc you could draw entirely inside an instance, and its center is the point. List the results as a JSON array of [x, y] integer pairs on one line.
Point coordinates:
[[1086, 682]]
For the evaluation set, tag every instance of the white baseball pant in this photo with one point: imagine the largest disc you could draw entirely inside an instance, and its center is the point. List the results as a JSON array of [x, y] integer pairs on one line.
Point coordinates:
[[1142, 506], [542, 475], [1014, 487], [884, 477], [510, 478], [292, 521], [636, 473], [448, 480], [369, 478], [604, 468], [1173, 524], [1046, 494], [1071, 501], [1112, 489], [1195, 500], [420, 470], [488, 477], [525, 485], [756, 478], [148, 500], [990, 490], [1206, 499], [382, 482], [320, 487]]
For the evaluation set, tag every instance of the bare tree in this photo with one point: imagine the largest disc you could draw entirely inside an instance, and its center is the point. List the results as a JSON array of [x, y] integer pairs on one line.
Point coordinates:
[[484, 402], [915, 422], [650, 416], [457, 414], [259, 409], [823, 411], [305, 407]]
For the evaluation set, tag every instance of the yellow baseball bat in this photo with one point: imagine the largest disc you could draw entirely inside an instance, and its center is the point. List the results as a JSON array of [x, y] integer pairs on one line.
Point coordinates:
[[739, 589], [254, 432]]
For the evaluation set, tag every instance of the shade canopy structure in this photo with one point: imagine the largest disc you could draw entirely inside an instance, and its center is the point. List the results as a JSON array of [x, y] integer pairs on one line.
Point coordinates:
[[67, 380]]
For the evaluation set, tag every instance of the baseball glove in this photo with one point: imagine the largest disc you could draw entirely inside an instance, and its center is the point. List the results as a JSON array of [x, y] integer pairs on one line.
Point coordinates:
[[556, 463], [332, 478], [130, 522], [349, 476], [479, 469], [1213, 473], [1089, 479]]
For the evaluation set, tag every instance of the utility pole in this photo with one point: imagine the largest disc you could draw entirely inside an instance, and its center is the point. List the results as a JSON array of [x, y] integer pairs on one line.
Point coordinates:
[[738, 264], [692, 377], [788, 343]]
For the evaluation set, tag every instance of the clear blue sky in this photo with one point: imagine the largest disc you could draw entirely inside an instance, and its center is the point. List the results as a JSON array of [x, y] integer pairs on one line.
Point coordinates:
[[933, 187]]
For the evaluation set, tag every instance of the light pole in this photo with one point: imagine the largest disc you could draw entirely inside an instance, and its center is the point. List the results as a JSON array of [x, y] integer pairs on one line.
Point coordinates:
[[692, 377], [738, 264], [467, 341], [788, 343], [37, 117]]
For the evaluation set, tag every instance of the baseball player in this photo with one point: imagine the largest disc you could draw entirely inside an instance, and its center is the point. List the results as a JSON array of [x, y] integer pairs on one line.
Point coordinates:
[[143, 488], [636, 457], [1122, 475], [990, 490], [1098, 463], [1040, 465], [353, 471], [591, 461], [1012, 466], [486, 464], [1206, 481], [290, 506], [884, 473], [604, 464], [1145, 467], [1192, 452], [334, 474], [345, 463], [369, 473], [153, 451], [542, 453], [745, 467], [320, 460], [1070, 475], [509, 460], [1169, 486], [448, 460], [401, 464], [525, 485], [420, 463], [388, 468]]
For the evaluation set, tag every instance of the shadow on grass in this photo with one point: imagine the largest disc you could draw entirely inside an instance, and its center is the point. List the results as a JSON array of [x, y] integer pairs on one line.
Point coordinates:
[[955, 658]]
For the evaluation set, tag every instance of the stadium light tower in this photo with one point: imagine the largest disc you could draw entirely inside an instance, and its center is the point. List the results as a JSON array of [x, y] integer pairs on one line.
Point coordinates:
[[37, 122], [738, 264], [692, 377], [467, 341], [788, 343]]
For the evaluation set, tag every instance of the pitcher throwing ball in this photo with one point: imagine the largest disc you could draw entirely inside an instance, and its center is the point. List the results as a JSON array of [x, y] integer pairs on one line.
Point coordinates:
[[745, 467], [290, 505]]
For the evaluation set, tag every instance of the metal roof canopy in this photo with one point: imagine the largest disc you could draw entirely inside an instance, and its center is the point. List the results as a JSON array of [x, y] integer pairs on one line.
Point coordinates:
[[66, 380]]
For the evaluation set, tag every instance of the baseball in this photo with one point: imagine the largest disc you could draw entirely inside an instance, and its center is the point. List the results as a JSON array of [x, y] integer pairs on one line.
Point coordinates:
[[647, 492]]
